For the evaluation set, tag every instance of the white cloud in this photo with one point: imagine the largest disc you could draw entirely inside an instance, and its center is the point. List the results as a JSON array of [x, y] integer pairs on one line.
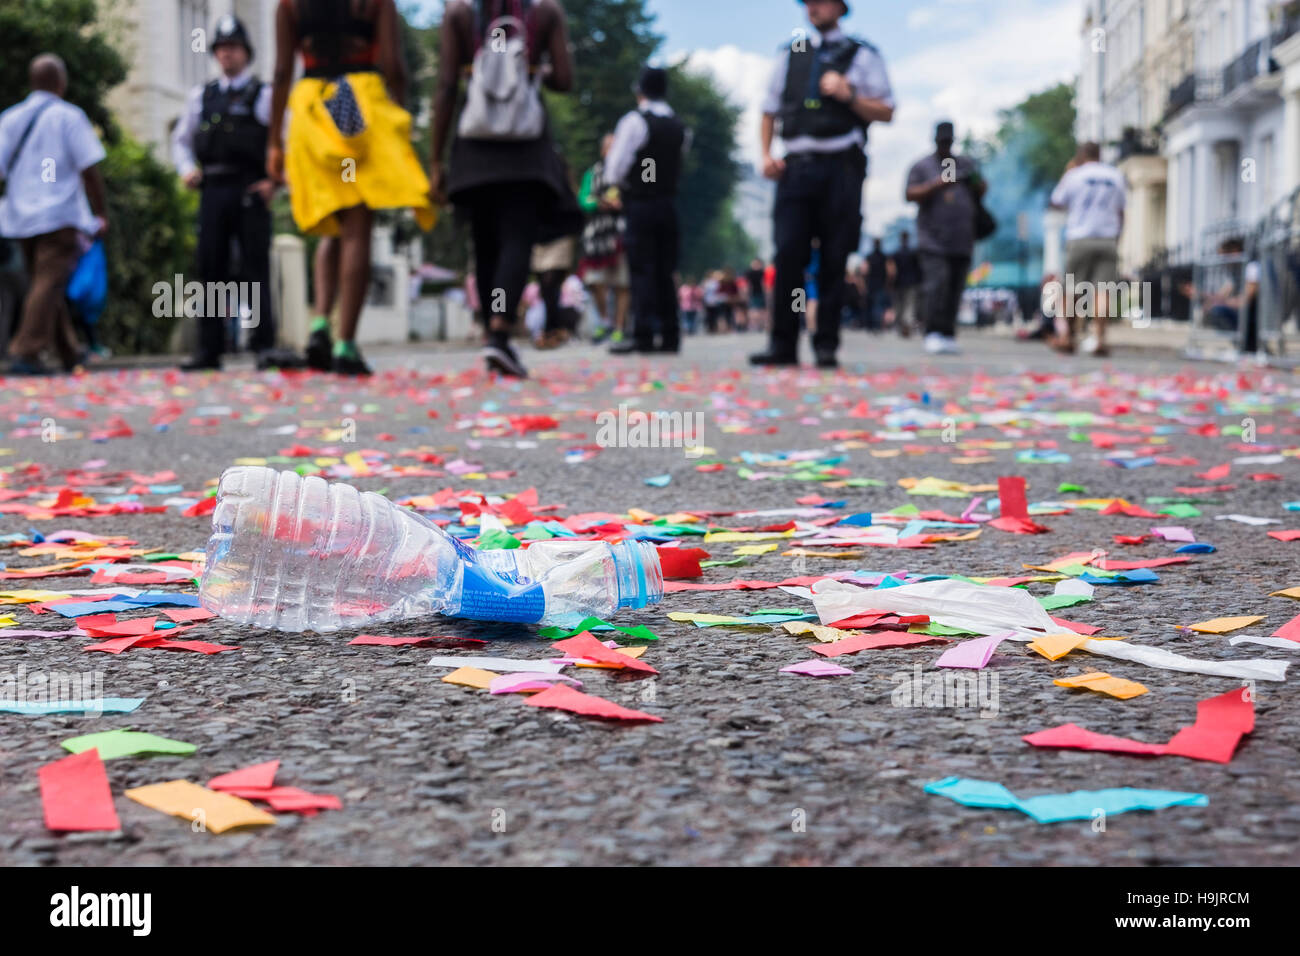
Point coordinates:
[[965, 78]]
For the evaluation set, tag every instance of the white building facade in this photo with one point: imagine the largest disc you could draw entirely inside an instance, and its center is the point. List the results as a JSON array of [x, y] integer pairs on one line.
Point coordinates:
[[166, 44], [1196, 102]]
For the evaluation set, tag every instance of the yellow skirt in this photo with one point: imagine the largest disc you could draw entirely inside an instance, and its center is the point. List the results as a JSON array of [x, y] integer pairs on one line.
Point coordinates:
[[328, 171]]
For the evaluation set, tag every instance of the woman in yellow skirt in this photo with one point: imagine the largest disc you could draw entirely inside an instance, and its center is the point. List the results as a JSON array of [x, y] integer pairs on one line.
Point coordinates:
[[348, 151]]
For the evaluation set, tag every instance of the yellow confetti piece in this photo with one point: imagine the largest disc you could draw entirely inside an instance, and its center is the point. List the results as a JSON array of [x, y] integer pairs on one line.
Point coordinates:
[[1056, 646], [1288, 593], [822, 632], [818, 553], [714, 537], [755, 549], [1222, 625], [254, 462], [641, 515], [471, 677], [1104, 684], [210, 809], [8, 620]]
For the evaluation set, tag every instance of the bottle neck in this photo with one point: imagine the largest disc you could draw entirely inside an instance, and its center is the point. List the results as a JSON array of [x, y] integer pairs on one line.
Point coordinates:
[[639, 576]]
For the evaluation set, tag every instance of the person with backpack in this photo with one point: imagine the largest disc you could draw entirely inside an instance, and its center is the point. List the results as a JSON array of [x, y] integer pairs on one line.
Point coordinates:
[[348, 151], [49, 159], [646, 160], [826, 90], [219, 148], [503, 174]]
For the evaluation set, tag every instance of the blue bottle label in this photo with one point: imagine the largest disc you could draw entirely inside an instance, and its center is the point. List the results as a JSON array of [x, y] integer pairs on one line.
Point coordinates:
[[487, 596]]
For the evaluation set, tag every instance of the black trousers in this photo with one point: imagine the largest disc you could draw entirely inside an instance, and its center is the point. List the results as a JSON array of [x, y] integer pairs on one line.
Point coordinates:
[[651, 242], [503, 219], [229, 215], [819, 197], [943, 280]]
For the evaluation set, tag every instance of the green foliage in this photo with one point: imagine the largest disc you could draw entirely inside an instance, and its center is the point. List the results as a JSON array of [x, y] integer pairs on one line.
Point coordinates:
[[152, 237], [70, 29], [1042, 127]]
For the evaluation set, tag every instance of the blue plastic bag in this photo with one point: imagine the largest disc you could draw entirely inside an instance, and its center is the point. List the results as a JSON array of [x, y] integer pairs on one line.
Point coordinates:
[[88, 286]]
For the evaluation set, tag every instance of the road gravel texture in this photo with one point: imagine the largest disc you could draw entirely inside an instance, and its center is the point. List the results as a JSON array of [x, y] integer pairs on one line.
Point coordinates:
[[750, 766]]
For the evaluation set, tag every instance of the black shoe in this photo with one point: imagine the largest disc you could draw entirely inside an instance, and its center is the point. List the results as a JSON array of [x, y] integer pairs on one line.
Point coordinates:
[[827, 360], [502, 359], [628, 346], [351, 365], [278, 358], [202, 363], [670, 348], [20, 366], [320, 351], [773, 358]]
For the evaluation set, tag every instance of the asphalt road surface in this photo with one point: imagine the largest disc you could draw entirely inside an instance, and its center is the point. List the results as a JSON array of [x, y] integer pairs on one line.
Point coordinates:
[[750, 765]]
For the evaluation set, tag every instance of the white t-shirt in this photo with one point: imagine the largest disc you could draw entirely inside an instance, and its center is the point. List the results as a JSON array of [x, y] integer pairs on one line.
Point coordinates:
[[44, 191], [1094, 194]]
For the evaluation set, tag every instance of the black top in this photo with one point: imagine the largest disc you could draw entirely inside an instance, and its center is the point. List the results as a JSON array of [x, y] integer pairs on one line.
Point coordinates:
[[325, 25], [658, 164], [907, 269], [803, 111], [230, 141], [876, 263]]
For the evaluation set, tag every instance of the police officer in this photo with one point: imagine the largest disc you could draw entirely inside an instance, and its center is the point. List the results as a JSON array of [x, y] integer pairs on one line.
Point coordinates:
[[219, 148], [824, 92], [646, 159]]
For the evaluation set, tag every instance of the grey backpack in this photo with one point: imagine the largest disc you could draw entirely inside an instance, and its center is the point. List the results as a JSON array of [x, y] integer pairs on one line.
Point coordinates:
[[502, 101]]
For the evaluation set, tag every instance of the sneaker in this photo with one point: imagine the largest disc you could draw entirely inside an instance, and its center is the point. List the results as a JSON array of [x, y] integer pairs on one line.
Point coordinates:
[[353, 365], [320, 351], [502, 359], [934, 343], [949, 346]]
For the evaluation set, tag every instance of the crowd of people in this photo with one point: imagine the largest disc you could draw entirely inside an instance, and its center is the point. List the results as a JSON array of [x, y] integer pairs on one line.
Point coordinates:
[[546, 249]]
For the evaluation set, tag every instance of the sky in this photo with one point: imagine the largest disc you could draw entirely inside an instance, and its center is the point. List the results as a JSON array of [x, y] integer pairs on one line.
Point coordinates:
[[947, 59]]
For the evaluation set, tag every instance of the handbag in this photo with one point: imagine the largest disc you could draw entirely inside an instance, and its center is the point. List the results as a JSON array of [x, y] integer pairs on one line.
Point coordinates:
[[985, 224]]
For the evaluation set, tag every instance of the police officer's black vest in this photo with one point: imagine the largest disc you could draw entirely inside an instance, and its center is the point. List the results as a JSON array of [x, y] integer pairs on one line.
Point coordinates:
[[229, 138], [804, 111], [664, 147]]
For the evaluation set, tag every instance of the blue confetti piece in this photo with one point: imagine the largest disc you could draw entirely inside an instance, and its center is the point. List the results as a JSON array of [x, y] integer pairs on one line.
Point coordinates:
[[1198, 547], [659, 481]]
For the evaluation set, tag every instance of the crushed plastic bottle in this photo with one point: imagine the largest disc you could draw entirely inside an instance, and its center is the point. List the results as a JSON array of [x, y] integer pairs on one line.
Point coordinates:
[[297, 554]]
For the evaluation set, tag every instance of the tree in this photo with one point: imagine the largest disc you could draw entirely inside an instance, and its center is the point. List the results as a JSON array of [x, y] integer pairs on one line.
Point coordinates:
[[70, 29], [152, 236], [1042, 127]]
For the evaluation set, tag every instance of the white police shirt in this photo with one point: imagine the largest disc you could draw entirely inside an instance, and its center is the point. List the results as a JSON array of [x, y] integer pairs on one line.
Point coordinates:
[[867, 76], [188, 125], [44, 192], [1094, 195]]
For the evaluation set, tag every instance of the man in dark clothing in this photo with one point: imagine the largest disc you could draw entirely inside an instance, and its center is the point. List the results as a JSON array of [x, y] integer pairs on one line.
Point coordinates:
[[826, 89], [219, 148], [877, 294], [646, 159], [906, 281], [945, 187]]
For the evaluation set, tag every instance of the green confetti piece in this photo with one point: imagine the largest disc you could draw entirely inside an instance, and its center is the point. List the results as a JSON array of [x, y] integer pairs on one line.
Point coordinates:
[[497, 540], [126, 743], [1066, 486], [638, 631], [1181, 511], [1054, 602]]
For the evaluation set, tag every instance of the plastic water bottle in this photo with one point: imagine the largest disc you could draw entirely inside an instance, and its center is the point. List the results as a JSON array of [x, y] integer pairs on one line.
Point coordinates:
[[298, 554]]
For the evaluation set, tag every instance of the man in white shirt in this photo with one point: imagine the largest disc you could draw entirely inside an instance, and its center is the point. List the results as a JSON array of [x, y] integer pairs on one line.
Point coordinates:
[[1094, 194], [49, 156], [826, 89], [219, 148]]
